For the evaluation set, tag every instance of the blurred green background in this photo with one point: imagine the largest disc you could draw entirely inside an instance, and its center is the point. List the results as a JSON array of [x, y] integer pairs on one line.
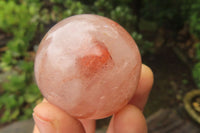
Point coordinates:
[[167, 33]]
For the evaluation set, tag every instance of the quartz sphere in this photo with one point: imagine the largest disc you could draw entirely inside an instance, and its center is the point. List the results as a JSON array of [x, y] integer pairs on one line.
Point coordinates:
[[88, 65]]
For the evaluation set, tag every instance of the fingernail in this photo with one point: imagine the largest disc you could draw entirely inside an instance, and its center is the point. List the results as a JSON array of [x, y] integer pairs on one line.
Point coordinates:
[[44, 126]]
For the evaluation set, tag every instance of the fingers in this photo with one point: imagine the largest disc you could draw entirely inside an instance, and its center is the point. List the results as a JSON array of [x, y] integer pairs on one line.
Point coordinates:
[[129, 120], [89, 125], [50, 119], [144, 87], [35, 130]]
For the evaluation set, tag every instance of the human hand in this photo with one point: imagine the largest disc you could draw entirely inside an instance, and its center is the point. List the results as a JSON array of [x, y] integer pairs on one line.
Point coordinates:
[[50, 119]]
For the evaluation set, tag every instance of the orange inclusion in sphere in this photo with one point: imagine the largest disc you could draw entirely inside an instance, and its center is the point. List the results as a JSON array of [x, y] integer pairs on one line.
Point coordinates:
[[88, 66]]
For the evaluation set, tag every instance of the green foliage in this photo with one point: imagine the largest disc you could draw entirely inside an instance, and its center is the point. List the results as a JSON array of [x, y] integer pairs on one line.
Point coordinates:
[[196, 68], [19, 21], [195, 18], [118, 11], [169, 14], [173, 15], [197, 47], [144, 45], [19, 91], [103, 7], [68, 8], [123, 15], [194, 23], [196, 74]]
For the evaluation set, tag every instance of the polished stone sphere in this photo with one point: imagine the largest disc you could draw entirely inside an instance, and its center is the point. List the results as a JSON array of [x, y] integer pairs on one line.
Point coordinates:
[[88, 65]]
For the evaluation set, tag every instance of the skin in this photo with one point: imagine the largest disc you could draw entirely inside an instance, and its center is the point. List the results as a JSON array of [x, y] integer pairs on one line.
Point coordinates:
[[130, 119]]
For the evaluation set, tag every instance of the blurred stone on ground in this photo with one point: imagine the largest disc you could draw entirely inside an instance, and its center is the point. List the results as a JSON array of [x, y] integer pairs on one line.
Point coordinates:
[[27, 127], [168, 121], [163, 121], [19, 127]]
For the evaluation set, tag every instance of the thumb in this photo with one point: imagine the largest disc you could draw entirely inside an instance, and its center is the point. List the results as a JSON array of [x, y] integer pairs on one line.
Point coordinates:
[[50, 119]]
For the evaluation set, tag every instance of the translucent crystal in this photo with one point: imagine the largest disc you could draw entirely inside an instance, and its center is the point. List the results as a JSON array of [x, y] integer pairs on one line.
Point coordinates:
[[88, 65]]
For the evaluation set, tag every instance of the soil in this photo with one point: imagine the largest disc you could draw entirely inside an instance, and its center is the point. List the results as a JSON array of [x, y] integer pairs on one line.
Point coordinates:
[[172, 80]]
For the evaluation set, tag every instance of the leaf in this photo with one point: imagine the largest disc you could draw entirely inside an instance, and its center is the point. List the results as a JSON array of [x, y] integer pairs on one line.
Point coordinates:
[[14, 114], [5, 117]]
